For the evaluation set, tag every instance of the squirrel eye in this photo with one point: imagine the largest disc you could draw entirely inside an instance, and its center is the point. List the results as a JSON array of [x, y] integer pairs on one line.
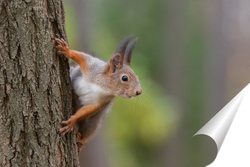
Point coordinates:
[[125, 78]]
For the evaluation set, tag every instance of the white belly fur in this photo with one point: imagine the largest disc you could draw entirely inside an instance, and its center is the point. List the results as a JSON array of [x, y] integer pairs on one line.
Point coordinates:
[[88, 93]]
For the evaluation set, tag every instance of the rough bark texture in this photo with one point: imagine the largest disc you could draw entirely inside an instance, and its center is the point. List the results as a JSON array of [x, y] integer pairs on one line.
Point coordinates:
[[35, 89]]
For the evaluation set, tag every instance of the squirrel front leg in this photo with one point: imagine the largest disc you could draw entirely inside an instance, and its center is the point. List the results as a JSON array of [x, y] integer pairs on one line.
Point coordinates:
[[78, 57], [82, 113]]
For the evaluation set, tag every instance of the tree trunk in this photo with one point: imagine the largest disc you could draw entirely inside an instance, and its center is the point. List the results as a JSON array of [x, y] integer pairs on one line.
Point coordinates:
[[35, 89]]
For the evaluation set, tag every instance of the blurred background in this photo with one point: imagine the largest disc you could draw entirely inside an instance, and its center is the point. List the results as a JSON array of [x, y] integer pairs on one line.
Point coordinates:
[[192, 57]]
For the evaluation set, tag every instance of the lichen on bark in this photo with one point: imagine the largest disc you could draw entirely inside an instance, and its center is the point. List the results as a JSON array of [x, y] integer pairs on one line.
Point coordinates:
[[35, 88]]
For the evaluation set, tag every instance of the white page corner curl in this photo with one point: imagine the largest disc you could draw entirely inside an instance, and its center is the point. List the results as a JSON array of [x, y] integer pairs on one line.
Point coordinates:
[[229, 128]]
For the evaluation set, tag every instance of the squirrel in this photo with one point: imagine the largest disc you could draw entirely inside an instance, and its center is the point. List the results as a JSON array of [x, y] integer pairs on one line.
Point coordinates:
[[96, 84]]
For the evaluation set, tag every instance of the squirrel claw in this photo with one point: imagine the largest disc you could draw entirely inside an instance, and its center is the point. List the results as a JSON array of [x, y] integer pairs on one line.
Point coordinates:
[[62, 132], [60, 135]]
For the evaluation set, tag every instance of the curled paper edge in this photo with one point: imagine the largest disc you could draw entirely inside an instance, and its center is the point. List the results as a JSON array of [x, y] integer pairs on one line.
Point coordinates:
[[219, 125]]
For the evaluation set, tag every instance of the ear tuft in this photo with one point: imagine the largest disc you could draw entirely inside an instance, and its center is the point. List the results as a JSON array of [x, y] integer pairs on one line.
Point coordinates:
[[121, 47], [129, 51]]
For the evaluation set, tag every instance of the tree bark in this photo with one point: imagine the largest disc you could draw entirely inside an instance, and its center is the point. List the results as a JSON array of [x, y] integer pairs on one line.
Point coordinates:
[[35, 88]]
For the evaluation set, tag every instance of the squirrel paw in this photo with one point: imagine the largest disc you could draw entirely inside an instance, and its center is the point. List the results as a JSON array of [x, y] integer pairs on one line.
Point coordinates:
[[68, 128], [80, 146], [80, 142], [62, 47]]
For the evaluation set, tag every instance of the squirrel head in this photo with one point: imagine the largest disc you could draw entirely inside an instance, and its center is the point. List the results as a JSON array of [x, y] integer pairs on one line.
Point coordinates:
[[122, 79]]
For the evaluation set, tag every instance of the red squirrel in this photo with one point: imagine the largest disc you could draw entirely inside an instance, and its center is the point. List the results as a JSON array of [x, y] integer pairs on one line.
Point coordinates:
[[95, 84]]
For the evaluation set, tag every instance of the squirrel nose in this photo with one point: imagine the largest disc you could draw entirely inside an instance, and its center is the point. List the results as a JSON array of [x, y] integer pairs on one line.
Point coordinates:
[[138, 92]]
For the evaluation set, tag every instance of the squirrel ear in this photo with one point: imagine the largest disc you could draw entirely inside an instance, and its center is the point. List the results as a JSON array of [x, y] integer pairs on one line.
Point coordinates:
[[121, 48], [129, 51], [114, 62]]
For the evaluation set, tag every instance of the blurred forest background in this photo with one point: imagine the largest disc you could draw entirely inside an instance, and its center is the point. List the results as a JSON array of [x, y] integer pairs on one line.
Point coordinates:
[[192, 57]]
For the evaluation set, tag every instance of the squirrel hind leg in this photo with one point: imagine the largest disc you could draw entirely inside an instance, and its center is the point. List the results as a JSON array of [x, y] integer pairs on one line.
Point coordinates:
[[87, 129]]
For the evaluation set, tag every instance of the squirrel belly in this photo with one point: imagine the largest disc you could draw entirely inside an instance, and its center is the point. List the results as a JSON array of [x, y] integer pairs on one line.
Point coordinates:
[[88, 93]]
